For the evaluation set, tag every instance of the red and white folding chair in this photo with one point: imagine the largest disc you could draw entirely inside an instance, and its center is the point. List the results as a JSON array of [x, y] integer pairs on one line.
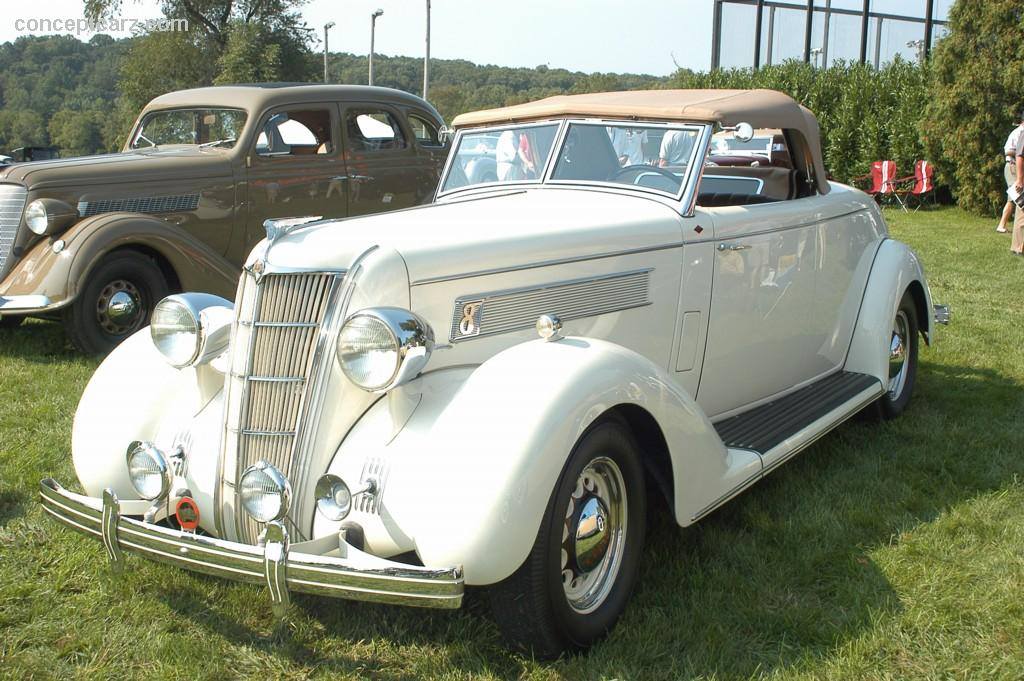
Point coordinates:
[[883, 181], [920, 185]]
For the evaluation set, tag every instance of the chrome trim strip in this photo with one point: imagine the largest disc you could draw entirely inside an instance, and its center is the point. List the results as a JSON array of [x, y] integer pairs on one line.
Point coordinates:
[[29, 302], [244, 431], [285, 325], [272, 379], [514, 309], [550, 263], [332, 568]]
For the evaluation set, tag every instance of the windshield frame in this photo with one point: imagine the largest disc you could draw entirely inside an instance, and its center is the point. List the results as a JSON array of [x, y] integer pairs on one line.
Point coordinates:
[[681, 200], [146, 113]]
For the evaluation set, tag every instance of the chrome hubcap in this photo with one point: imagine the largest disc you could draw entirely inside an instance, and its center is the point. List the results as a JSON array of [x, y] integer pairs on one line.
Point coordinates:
[[593, 535], [898, 354], [119, 308]]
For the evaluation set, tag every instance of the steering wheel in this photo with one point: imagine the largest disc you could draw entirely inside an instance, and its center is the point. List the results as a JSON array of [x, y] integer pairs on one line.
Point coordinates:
[[642, 168]]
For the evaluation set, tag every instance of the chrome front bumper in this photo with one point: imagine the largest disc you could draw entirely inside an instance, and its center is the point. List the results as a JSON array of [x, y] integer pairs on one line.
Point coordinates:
[[941, 314], [327, 567]]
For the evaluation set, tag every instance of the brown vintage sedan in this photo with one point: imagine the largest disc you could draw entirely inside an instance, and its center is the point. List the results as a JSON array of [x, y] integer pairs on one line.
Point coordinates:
[[98, 241]]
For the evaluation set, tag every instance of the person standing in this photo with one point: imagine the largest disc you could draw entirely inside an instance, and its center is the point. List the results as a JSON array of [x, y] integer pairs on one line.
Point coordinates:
[[1010, 170], [1017, 244]]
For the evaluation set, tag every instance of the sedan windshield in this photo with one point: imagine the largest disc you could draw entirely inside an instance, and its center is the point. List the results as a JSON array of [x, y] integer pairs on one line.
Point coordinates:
[[206, 127]]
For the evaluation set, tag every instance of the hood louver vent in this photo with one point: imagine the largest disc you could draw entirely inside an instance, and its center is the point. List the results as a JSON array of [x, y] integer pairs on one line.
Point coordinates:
[[140, 204]]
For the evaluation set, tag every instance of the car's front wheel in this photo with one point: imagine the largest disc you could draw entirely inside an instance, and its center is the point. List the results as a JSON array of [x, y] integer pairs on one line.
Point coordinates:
[[578, 577], [903, 344], [115, 302]]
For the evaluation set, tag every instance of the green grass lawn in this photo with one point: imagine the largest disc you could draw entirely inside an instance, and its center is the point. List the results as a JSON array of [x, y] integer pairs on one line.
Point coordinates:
[[890, 551]]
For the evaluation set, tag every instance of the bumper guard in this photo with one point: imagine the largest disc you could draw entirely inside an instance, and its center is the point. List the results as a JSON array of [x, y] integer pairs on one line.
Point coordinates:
[[328, 566]]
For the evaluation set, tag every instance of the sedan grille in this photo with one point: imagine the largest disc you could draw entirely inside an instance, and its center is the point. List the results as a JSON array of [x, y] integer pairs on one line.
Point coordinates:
[[275, 352], [12, 204]]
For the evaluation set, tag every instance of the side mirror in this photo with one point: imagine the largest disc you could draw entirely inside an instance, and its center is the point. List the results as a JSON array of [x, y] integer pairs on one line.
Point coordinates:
[[744, 132], [445, 134]]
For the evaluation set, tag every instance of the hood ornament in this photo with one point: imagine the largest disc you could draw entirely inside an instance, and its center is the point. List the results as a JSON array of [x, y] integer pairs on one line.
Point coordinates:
[[275, 228]]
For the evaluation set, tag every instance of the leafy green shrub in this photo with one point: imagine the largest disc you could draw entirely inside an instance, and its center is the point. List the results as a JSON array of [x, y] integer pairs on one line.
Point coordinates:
[[976, 92], [865, 115]]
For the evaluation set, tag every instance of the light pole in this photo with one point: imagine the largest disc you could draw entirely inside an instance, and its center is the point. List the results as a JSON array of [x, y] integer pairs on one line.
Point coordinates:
[[329, 25], [426, 58], [373, 27]]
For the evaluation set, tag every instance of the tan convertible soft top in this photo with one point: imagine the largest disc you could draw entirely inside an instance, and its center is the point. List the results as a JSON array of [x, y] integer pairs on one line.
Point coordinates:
[[760, 108]]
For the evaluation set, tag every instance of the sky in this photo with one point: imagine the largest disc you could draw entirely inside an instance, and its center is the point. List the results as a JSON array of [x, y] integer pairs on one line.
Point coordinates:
[[623, 36]]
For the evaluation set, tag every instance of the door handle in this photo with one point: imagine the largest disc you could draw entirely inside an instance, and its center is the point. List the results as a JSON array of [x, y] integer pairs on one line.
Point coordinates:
[[726, 246], [361, 178], [340, 178]]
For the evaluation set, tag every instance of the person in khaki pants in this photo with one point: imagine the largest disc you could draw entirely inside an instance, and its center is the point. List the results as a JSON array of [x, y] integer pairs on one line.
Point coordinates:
[[1010, 171], [1017, 245]]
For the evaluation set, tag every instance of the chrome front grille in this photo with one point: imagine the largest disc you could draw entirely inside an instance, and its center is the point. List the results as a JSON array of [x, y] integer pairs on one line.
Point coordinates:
[[274, 357], [12, 204]]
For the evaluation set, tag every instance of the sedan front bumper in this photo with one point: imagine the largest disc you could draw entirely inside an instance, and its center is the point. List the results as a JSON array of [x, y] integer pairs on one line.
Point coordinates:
[[328, 566]]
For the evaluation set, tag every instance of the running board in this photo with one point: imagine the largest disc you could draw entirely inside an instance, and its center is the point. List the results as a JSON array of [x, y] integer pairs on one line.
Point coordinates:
[[763, 428], [778, 430]]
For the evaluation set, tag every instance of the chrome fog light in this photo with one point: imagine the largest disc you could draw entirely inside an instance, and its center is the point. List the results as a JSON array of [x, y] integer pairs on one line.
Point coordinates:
[[148, 471], [265, 492], [333, 497]]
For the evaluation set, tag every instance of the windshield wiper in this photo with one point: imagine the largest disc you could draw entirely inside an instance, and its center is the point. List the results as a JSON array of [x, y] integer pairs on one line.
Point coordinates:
[[217, 142]]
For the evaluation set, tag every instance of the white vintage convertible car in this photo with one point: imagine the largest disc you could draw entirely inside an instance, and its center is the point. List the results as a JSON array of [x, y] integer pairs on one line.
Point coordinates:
[[485, 391]]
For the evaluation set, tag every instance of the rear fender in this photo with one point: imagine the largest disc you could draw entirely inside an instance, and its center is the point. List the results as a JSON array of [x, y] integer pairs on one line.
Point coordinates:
[[896, 269]]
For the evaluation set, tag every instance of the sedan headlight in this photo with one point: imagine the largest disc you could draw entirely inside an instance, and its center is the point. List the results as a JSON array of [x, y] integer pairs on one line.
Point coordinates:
[[381, 348], [191, 328], [148, 471], [49, 216], [265, 492]]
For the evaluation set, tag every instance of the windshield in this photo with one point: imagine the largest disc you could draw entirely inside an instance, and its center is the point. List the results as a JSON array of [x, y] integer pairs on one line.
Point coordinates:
[[648, 156], [211, 127], [496, 155]]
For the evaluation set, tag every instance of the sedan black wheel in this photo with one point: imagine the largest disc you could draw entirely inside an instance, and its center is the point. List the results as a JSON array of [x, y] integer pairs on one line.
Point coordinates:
[[576, 582], [115, 302], [10, 322]]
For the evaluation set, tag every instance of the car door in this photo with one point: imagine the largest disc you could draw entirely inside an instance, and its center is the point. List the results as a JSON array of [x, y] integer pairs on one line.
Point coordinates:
[[381, 158], [296, 166], [761, 329]]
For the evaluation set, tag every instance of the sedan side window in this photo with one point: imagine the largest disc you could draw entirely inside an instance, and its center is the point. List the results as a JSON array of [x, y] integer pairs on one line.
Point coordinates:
[[373, 130], [296, 133], [424, 131]]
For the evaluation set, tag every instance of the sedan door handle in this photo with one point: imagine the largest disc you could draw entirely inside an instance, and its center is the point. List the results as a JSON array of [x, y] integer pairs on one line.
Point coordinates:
[[726, 246], [340, 178], [361, 178]]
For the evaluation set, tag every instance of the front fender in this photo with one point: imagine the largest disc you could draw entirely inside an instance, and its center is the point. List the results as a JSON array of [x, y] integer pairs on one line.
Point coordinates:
[[895, 270], [467, 478], [136, 395], [60, 275]]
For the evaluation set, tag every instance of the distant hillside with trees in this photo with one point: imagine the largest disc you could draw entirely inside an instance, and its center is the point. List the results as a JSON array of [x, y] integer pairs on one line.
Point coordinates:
[[83, 96]]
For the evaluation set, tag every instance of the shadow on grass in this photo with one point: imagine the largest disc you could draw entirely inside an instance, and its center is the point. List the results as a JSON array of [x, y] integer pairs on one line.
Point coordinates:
[[36, 341], [12, 505]]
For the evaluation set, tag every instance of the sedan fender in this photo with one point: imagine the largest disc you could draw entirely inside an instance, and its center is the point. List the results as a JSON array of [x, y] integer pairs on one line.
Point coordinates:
[[59, 274], [896, 269], [471, 471]]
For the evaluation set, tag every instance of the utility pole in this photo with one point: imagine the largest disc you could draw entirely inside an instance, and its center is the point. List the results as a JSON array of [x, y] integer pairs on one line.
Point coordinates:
[[328, 26], [373, 28], [426, 58]]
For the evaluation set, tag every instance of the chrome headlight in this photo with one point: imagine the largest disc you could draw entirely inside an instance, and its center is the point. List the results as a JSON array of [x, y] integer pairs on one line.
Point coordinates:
[[49, 216], [381, 348], [265, 492], [191, 328], [148, 471]]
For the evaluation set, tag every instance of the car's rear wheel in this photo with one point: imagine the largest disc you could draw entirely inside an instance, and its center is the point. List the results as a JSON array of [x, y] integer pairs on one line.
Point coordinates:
[[903, 346], [10, 322], [115, 302], [578, 577]]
